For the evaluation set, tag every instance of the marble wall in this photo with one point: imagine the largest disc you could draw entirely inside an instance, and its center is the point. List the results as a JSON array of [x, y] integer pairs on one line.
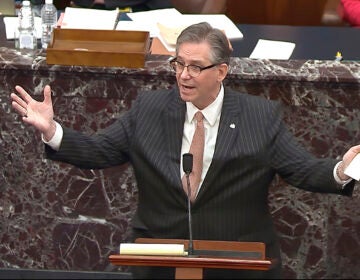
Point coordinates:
[[55, 216]]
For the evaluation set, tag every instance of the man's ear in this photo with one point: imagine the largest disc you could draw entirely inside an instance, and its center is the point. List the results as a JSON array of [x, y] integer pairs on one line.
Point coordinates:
[[222, 70]]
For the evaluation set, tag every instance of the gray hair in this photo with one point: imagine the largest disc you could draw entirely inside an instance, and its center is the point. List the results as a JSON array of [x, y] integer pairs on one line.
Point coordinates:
[[197, 33]]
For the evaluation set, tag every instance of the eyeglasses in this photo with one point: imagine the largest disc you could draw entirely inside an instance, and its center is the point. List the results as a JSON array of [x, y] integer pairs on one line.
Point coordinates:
[[193, 70]]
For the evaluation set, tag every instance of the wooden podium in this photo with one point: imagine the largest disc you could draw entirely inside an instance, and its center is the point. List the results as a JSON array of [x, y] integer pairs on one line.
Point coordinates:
[[191, 267]]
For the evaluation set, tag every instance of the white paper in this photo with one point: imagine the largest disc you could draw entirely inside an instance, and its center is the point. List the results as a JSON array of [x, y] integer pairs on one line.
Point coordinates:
[[173, 19], [149, 20], [82, 18], [268, 49], [219, 21], [135, 26], [12, 24], [353, 170], [152, 249]]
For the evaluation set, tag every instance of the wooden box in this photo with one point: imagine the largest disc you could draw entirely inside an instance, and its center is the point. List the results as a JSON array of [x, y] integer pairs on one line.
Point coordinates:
[[105, 48]]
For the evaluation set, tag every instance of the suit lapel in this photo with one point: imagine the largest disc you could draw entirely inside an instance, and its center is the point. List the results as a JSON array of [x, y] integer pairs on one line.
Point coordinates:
[[173, 121]]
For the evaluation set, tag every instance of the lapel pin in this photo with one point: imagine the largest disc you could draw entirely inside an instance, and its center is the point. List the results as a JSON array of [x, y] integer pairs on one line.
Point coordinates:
[[232, 125]]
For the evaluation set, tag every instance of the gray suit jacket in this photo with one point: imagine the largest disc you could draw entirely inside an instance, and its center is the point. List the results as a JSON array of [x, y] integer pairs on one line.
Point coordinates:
[[232, 202]]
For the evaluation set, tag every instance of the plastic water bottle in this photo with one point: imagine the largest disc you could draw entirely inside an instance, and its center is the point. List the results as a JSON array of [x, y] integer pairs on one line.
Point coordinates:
[[48, 22], [27, 35]]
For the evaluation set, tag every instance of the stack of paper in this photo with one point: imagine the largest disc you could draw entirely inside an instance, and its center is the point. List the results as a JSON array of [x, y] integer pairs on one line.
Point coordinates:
[[147, 21], [152, 249], [219, 21], [82, 18], [169, 34], [166, 24]]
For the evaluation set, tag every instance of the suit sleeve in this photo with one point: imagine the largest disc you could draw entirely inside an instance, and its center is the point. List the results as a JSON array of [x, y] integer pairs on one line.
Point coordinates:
[[296, 165], [106, 148]]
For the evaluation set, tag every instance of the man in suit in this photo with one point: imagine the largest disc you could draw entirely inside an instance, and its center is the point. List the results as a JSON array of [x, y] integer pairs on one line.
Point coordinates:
[[247, 144]]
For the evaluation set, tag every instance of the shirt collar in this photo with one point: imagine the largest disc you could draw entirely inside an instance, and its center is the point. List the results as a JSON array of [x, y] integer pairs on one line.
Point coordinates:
[[211, 112]]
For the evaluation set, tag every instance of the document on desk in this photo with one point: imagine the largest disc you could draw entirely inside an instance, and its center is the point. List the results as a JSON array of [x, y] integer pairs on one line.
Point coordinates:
[[166, 24], [83, 18], [170, 30], [147, 21], [269, 49], [152, 249]]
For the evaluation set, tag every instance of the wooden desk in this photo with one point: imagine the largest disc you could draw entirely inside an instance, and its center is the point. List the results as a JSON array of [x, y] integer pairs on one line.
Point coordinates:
[[191, 267]]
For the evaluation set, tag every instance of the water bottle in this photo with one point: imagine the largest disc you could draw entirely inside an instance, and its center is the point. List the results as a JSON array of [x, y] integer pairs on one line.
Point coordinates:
[[26, 35], [48, 22]]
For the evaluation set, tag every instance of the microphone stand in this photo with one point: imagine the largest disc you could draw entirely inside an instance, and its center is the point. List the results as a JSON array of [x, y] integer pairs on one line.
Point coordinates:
[[187, 167], [191, 245]]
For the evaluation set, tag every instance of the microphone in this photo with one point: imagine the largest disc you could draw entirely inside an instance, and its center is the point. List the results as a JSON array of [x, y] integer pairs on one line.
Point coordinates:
[[187, 163], [187, 167]]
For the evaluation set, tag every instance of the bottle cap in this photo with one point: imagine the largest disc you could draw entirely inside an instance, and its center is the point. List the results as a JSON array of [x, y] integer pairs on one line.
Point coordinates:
[[48, 1], [338, 56]]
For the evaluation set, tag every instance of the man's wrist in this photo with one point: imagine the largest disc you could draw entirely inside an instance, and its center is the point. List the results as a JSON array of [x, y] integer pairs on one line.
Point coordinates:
[[340, 172], [49, 134], [55, 141]]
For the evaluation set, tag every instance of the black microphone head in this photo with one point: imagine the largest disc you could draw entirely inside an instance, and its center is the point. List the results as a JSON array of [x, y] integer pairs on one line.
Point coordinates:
[[187, 163]]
